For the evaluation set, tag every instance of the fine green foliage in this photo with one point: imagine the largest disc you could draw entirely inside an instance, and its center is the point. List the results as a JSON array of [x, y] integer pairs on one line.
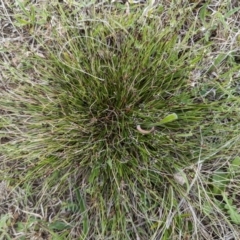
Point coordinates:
[[227, 200], [104, 114]]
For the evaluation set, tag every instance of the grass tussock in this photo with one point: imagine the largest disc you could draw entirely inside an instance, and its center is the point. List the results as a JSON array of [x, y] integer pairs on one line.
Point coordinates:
[[106, 115]]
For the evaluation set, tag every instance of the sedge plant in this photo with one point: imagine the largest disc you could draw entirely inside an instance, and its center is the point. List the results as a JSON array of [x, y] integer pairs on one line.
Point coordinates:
[[105, 111]]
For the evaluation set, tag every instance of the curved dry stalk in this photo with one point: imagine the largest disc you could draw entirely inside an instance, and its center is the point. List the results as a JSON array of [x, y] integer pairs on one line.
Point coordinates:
[[144, 131]]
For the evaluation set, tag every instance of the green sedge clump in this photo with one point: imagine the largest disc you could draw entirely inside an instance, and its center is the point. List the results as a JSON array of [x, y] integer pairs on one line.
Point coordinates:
[[107, 108]]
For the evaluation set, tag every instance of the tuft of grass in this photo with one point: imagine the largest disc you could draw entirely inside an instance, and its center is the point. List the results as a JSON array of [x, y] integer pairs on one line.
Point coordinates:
[[74, 118]]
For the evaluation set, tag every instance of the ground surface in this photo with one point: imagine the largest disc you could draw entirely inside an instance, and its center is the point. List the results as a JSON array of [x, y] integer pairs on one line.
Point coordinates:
[[207, 204]]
